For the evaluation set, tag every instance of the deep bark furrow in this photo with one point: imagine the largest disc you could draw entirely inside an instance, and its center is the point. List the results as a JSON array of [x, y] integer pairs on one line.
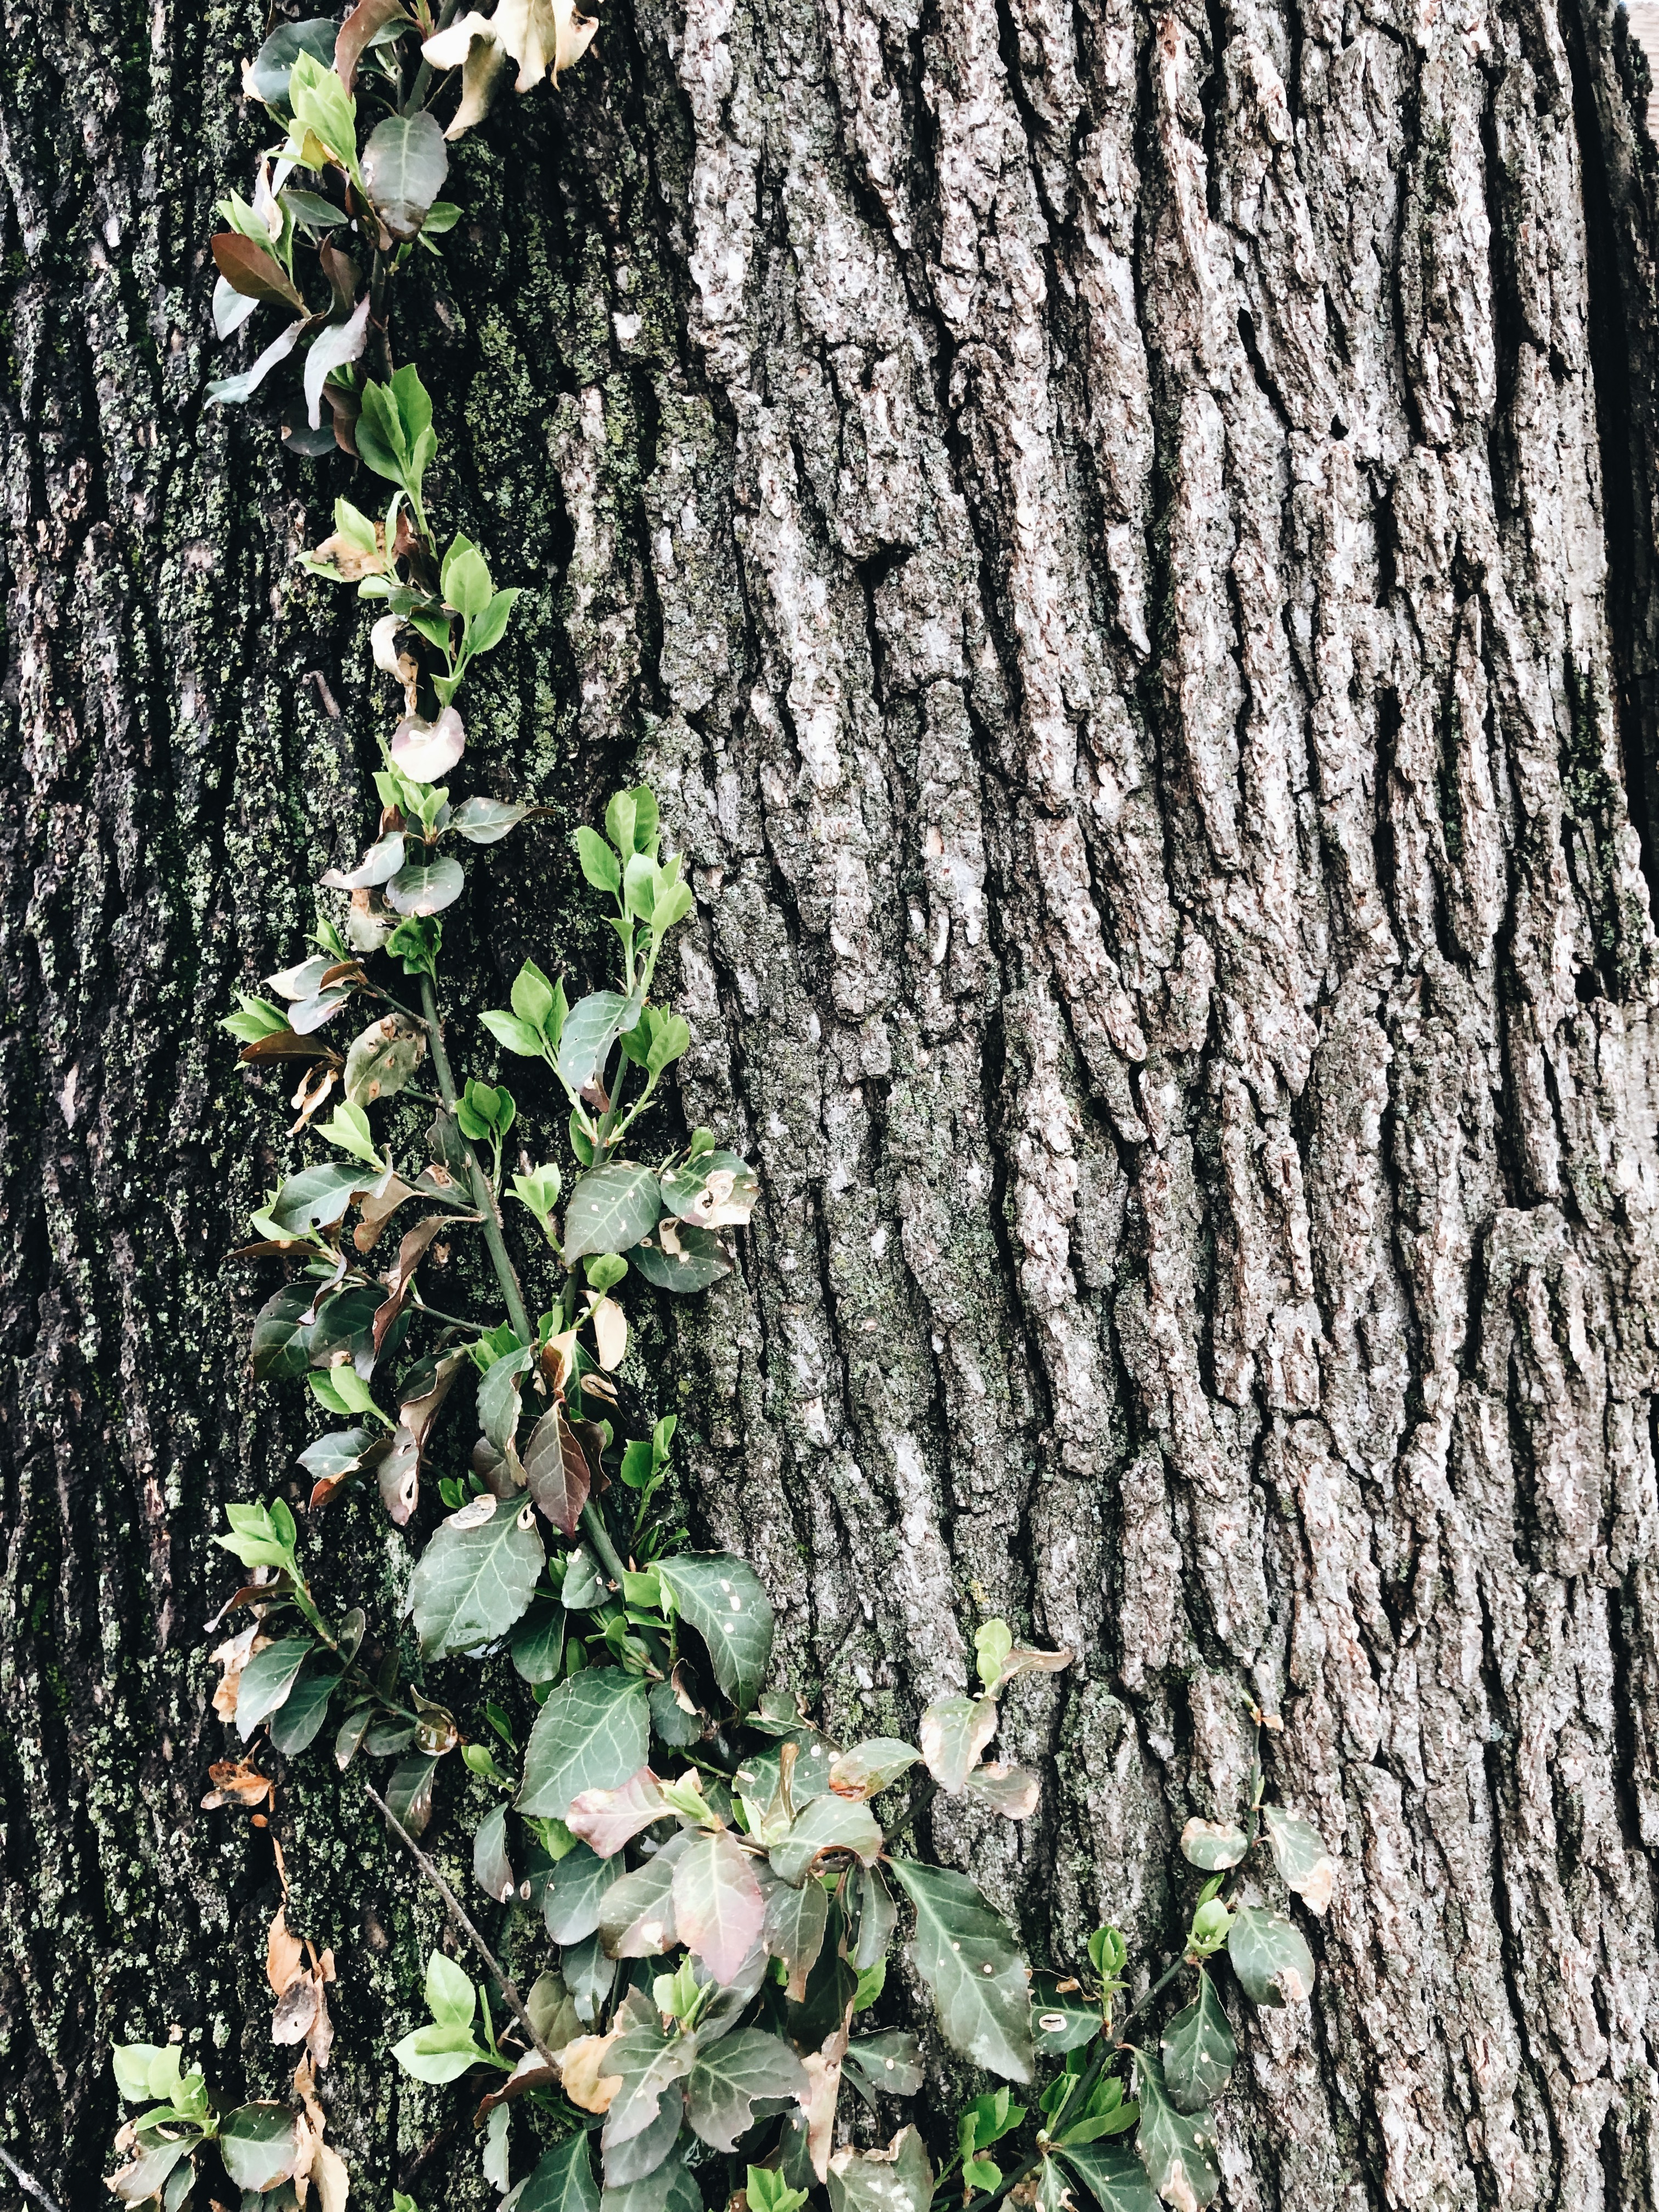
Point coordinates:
[[1127, 544]]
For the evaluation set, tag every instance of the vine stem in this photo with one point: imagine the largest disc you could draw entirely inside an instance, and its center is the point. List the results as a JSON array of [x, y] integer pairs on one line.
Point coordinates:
[[27, 2181], [509, 1989], [592, 1525]]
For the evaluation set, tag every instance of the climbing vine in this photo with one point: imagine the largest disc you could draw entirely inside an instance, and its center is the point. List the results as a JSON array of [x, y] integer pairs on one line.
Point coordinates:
[[721, 1884]]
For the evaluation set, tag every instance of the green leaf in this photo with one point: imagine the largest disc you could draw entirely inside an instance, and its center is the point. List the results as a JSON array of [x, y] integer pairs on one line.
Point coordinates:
[[348, 1129], [484, 632], [1113, 2176], [318, 1197], [498, 1396], [898, 2179], [889, 2062], [967, 1956], [1213, 1844], [466, 584], [599, 864], [564, 2181], [382, 1059], [593, 1733], [636, 1920], [576, 1890], [485, 821], [259, 2145], [322, 105], [492, 1869], [476, 1576], [993, 1641], [795, 1922], [740, 2079], [591, 1028], [1060, 2022], [537, 1642], [405, 165], [1304, 1864], [1273, 1963], [282, 1335], [450, 1996], [533, 996], [438, 2054], [268, 72], [516, 1035], [611, 1208], [681, 1259], [724, 1601], [954, 1731], [267, 1680], [305, 1708], [1176, 2148], [718, 1907], [717, 1190], [1199, 2050], [419, 888], [827, 1824]]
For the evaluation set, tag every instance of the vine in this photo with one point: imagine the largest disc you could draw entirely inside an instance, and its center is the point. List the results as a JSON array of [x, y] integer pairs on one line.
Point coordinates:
[[721, 1882]]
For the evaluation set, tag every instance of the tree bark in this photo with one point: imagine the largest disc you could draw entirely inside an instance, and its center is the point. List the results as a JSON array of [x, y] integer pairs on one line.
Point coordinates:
[[1126, 543]]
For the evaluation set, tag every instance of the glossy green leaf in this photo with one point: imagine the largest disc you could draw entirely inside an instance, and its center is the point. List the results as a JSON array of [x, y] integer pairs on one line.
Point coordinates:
[[678, 1258], [267, 1680], [724, 1601], [282, 1335], [1213, 1844], [795, 1921], [318, 1196], [1199, 2050], [302, 1712], [1113, 2175], [476, 1576], [1060, 2022], [577, 1886], [611, 1208], [498, 1396], [636, 1919], [1303, 1862], [492, 1869], [1273, 1963], [259, 2144], [405, 165], [537, 1642], [898, 2179], [269, 71], [593, 1733], [1176, 2148], [426, 888], [564, 2181], [829, 1823], [966, 1955], [599, 864], [742, 2078], [954, 1732], [591, 1028], [485, 821]]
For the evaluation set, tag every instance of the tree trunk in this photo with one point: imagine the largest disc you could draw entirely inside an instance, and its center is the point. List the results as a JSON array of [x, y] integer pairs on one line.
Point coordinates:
[[1127, 544]]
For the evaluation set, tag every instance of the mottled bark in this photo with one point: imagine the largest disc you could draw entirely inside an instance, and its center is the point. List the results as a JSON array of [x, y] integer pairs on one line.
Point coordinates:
[[1127, 545]]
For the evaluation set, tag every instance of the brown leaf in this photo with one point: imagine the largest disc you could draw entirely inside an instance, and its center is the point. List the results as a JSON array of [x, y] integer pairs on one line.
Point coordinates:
[[556, 1471], [400, 1468], [249, 270], [580, 2065], [284, 1954], [287, 1044], [235, 1783], [315, 1086], [411, 1253], [233, 1656], [296, 2009], [532, 2072]]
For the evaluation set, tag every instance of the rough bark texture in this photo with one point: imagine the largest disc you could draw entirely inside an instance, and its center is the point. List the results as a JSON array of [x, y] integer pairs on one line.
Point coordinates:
[[1128, 544]]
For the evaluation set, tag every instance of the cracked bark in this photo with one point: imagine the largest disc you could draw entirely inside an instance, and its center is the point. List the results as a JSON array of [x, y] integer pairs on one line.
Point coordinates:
[[1127, 545]]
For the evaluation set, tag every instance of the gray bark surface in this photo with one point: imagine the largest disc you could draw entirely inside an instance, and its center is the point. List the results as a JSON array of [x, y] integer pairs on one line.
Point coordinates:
[[1127, 544]]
